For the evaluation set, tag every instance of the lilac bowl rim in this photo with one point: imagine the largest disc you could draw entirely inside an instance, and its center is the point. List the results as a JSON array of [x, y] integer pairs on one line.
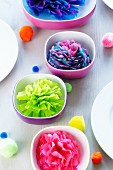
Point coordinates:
[[78, 70], [39, 118], [60, 21]]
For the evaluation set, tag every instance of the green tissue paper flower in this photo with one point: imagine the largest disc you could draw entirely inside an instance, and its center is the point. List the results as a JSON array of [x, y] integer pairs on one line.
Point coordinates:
[[42, 98]]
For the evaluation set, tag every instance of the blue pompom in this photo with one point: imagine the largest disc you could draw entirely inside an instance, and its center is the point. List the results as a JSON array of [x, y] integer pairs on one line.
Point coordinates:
[[3, 135], [35, 68]]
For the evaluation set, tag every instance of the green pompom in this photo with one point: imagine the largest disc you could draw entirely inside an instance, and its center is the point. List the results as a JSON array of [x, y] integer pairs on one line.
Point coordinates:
[[68, 87], [8, 147]]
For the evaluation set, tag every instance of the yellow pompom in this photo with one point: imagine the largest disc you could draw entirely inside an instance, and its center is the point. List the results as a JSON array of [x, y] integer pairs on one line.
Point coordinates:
[[77, 122]]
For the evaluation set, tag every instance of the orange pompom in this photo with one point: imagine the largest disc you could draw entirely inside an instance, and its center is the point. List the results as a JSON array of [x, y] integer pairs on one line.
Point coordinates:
[[26, 33], [96, 157]]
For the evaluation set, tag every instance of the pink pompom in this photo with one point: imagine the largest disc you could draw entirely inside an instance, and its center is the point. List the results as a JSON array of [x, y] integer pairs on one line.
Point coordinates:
[[107, 40]]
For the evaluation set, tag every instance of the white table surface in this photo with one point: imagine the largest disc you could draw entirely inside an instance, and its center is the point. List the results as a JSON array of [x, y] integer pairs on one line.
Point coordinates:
[[84, 90]]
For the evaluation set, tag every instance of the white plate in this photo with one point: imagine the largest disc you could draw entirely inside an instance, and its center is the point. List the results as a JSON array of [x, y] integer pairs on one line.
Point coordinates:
[[8, 49], [109, 3], [102, 119]]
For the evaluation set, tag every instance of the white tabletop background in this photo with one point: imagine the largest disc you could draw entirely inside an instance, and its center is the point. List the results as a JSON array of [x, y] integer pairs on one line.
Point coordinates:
[[84, 90]]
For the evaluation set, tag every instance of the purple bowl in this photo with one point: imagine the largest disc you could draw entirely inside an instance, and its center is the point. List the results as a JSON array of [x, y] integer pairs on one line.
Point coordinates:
[[85, 41], [84, 15], [28, 80]]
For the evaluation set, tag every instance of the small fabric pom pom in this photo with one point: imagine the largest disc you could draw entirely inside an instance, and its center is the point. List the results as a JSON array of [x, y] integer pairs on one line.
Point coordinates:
[[8, 147], [68, 87], [35, 68], [77, 122], [26, 33], [3, 135], [96, 157], [107, 40]]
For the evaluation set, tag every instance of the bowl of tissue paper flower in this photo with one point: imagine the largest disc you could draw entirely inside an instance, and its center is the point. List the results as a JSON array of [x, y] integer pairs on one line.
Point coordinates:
[[58, 14], [60, 147], [39, 98], [69, 54]]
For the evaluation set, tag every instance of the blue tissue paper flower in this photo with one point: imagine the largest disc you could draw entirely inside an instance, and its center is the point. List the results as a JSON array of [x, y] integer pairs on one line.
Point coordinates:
[[61, 9]]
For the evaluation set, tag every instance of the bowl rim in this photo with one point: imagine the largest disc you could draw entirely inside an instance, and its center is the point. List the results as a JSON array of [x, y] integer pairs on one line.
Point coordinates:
[[73, 32], [40, 118], [60, 21], [62, 128]]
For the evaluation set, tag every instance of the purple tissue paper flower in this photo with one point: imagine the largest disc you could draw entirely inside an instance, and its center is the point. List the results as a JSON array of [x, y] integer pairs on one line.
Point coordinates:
[[58, 8], [68, 55]]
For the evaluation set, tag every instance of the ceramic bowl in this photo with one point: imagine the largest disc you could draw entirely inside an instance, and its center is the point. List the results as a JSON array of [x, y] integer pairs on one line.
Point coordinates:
[[28, 80], [79, 136], [47, 22], [86, 42]]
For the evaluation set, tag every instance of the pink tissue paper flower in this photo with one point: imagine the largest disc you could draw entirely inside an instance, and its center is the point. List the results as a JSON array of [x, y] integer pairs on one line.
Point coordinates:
[[57, 151]]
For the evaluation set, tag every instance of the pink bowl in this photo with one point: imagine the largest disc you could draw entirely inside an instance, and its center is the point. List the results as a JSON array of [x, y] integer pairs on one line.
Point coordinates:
[[85, 41], [79, 136], [84, 15]]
